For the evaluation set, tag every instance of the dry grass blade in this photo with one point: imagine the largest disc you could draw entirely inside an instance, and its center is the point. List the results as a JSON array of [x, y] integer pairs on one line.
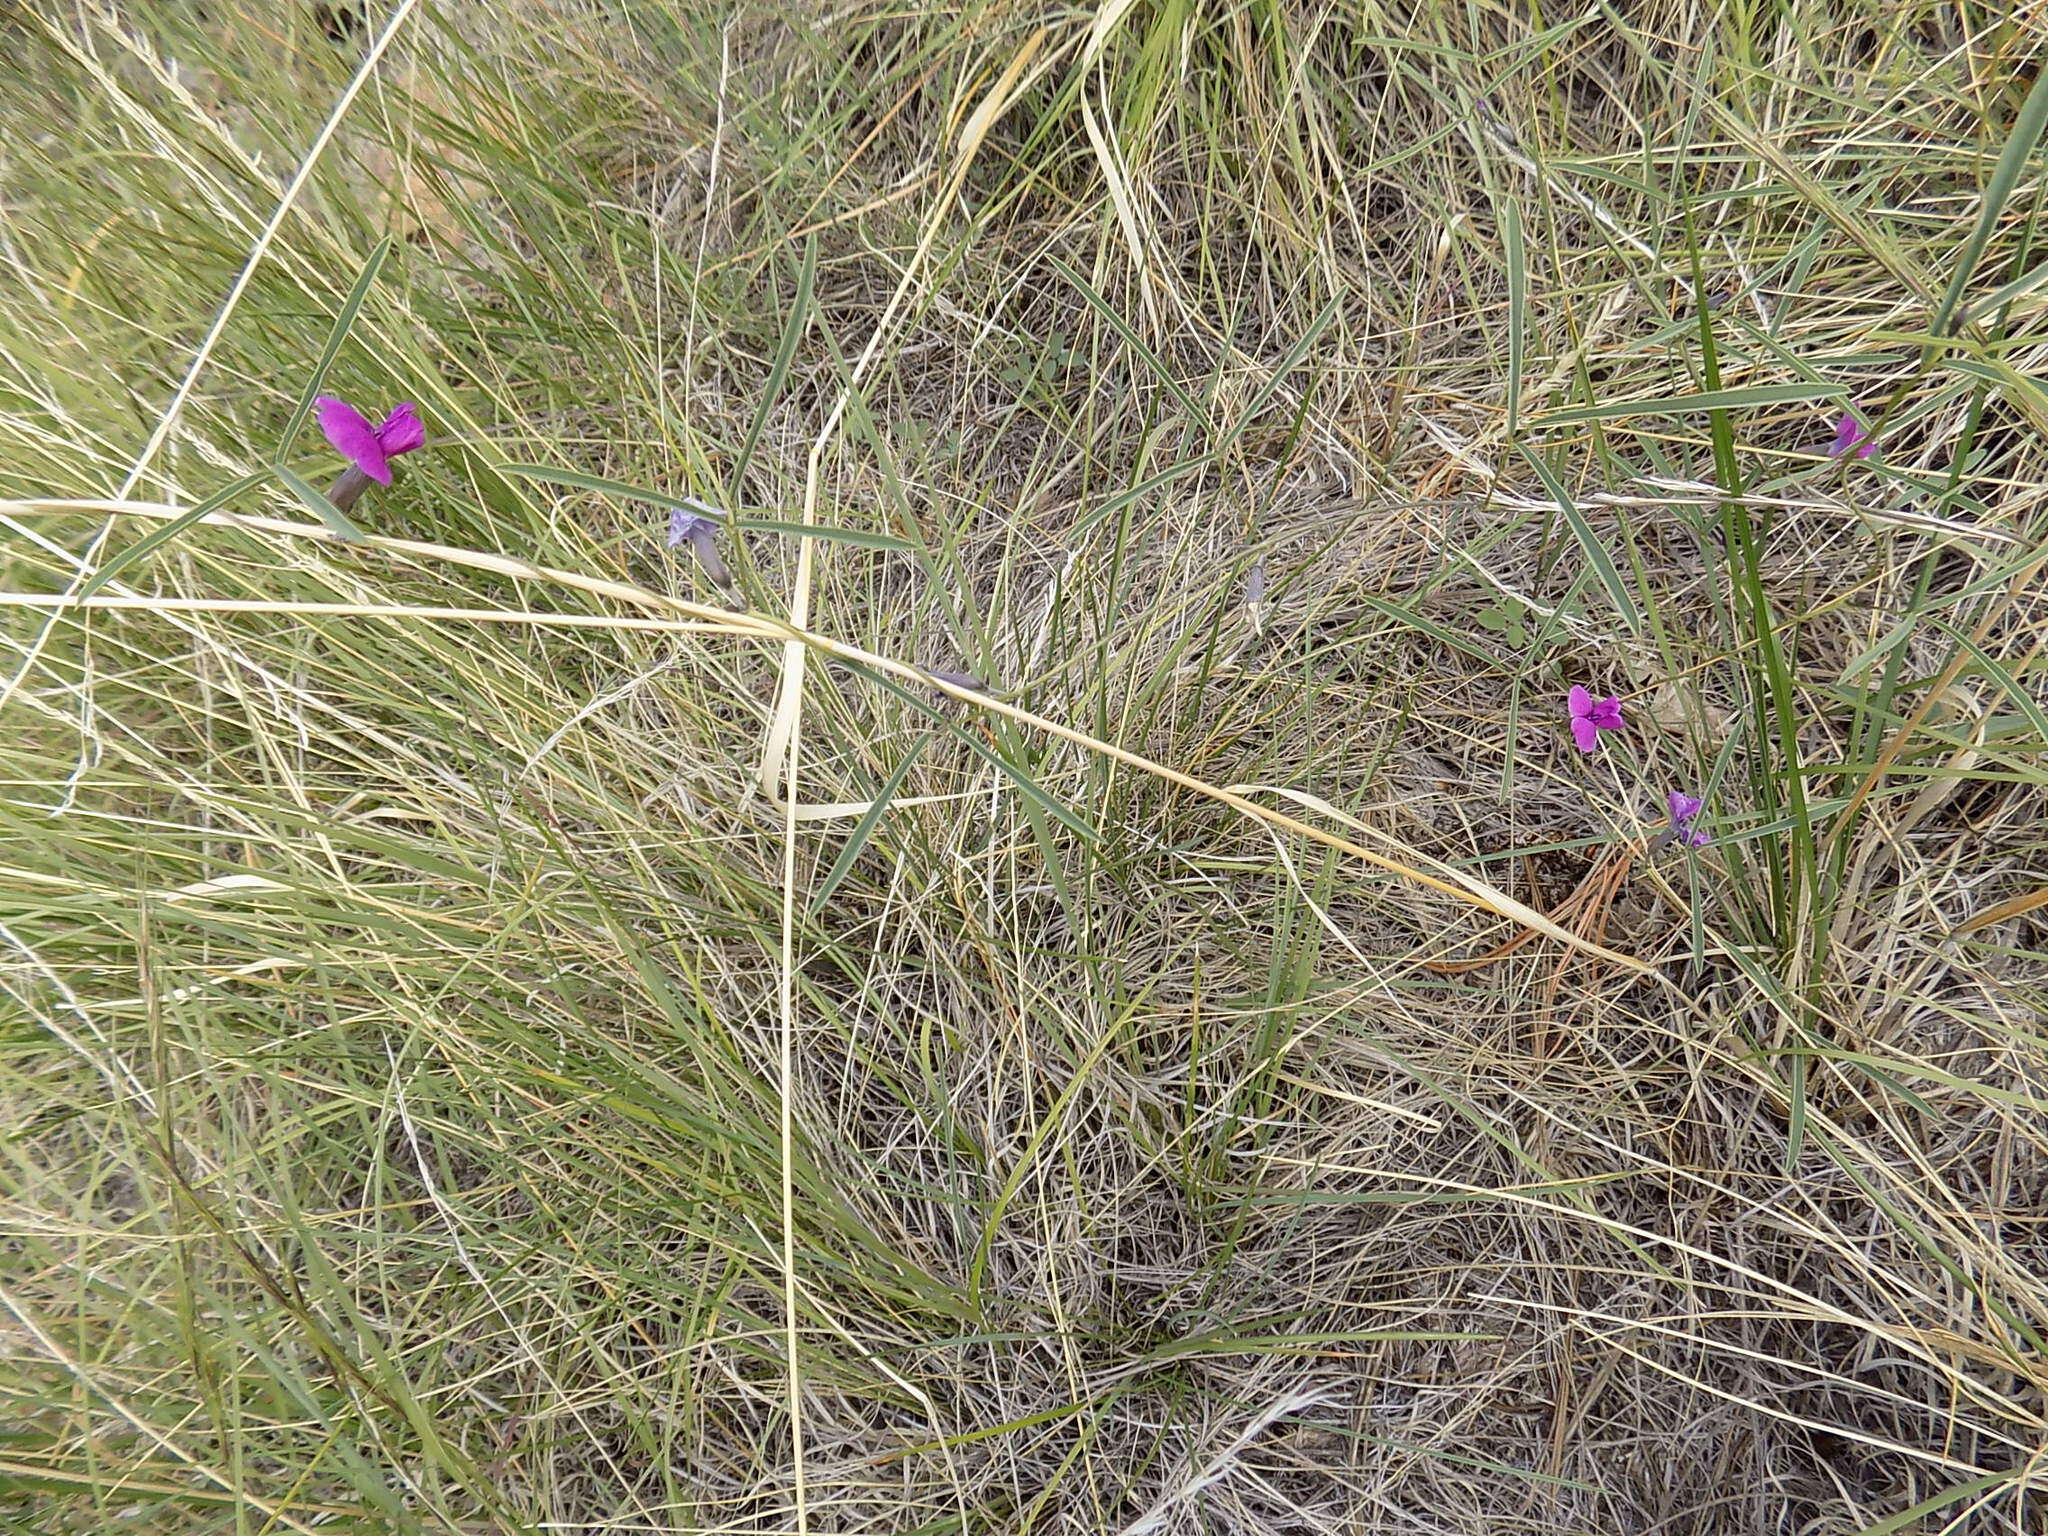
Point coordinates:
[[1405, 863]]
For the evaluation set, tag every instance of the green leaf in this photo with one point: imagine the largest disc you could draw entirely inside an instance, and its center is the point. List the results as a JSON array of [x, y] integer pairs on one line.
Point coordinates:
[[163, 533], [1449, 638], [2012, 164], [865, 828], [1289, 361], [583, 482], [1518, 308], [1131, 339], [2008, 380], [316, 502], [1589, 544], [778, 372], [860, 536], [336, 335], [1909, 1519], [2011, 686], [1026, 785], [1998, 298], [1685, 405]]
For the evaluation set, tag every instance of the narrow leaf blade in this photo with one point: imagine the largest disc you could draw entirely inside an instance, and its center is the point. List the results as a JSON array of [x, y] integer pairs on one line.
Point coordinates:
[[163, 533], [336, 335]]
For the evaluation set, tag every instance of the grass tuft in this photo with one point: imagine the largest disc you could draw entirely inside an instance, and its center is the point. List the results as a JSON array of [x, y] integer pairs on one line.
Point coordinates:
[[1096, 993]]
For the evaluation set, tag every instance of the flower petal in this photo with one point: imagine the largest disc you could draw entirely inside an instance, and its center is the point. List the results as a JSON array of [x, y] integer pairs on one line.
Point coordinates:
[[402, 431], [1683, 807], [1606, 715], [1585, 733], [1851, 433], [1582, 703], [353, 438]]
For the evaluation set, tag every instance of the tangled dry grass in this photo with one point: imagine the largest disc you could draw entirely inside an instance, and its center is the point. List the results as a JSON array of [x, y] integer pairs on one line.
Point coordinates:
[[500, 1042]]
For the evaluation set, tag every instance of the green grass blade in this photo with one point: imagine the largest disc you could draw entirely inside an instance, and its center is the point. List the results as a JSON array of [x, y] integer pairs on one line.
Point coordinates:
[[1026, 785], [1998, 298], [778, 371], [861, 537], [336, 335], [1596, 554], [2015, 690], [2012, 164], [1912, 1517], [578, 480], [1518, 308], [864, 829], [1442, 634], [163, 533], [1290, 360], [1136, 343], [316, 501], [1689, 405]]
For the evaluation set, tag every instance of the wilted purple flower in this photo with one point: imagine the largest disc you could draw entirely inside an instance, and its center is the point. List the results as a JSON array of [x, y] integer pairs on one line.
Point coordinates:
[[699, 532], [684, 525], [1851, 434], [1591, 716]]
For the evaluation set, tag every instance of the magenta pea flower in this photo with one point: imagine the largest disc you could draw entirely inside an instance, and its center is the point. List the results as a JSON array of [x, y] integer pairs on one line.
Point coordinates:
[[369, 450], [1591, 716], [1684, 809], [1852, 436]]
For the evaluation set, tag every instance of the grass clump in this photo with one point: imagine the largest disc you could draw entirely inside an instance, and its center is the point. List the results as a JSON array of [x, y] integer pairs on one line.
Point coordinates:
[[502, 1037]]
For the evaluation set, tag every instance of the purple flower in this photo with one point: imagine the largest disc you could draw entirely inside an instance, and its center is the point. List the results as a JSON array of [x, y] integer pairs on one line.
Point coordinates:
[[1851, 434], [1683, 809], [1591, 716], [371, 449]]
